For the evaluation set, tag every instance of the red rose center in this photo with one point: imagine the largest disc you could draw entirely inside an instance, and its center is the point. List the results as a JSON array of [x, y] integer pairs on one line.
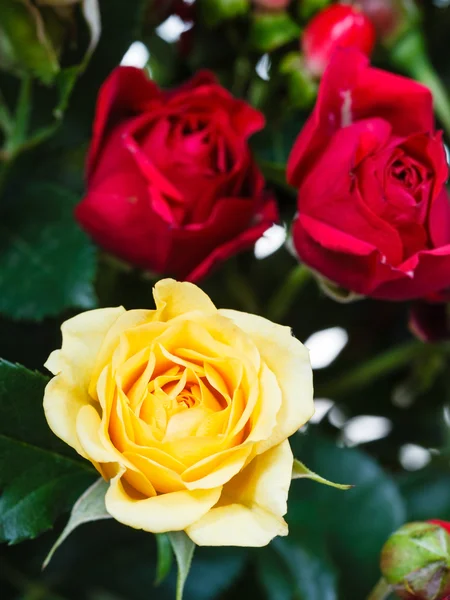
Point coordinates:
[[408, 174]]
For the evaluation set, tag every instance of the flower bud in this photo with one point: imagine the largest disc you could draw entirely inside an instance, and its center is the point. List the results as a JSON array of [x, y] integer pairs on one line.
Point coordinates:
[[338, 25], [415, 561], [33, 35], [390, 18], [444, 524]]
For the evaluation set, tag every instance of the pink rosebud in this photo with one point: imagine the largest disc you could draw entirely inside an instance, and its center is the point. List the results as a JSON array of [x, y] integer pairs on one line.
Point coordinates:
[[338, 25]]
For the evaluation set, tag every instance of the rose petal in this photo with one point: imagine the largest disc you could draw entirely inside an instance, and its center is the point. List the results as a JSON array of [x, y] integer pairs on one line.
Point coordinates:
[[168, 512], [125, 92], [216, 470], [251, 508], [73, 365], [173, 298], [288, 360]]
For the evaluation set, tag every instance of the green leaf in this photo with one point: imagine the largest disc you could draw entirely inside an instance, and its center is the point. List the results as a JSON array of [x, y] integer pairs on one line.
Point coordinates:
[[271, 30], [47, 264], [25, 44], [164, 563], [183, 548], [89, 507], [354, 525], [288, 570], [272, 146], [301, 471], [213, 12], [276, 173], [40, 476]]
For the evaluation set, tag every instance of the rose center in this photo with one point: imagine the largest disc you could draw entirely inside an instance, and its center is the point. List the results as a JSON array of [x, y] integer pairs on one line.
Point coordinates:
[[407, 174]]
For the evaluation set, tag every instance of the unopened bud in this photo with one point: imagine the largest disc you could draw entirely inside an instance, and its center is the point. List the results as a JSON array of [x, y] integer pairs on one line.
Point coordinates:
[[391, 18], [338, 26], [415, 561], [33, 34]]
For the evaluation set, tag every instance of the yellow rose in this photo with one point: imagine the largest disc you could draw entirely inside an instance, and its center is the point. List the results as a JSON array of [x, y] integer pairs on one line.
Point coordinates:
[[186, 410]]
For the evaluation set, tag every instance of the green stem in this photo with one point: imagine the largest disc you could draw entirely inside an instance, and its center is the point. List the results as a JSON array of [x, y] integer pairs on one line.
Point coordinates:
[[21, 118], [285, 296], [379, 366], [240, 289], [276, 173], [241, 75], [409, 54], [6, 120], [16, 132], [381, 591]]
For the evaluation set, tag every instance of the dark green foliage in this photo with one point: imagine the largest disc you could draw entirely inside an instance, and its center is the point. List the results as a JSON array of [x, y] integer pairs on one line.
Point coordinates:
[[40, 476]]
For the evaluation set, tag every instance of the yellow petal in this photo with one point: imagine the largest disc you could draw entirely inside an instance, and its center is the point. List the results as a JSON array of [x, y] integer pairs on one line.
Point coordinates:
[[139, 482], [185, 423], [251, 508], [82, 337], [173, 298], [216, 470], [128, 320], [97, 447], [289, 360], [168, 512], [264, 417], [164, 480], [88, 430], [66, 393]]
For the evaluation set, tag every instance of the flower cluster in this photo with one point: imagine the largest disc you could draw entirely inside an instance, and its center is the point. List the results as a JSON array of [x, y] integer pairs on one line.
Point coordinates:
[[173, 186], [186, 406], [322, 121]]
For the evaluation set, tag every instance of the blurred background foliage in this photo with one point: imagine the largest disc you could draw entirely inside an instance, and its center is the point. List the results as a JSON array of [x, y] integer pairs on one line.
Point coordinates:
[[383, 397]]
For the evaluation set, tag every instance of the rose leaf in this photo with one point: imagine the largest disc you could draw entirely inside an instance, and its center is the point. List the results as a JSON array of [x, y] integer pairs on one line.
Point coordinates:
[[89, 507], [164, 562], [40, 477], [301, 471], [183, 548], [47, 264]]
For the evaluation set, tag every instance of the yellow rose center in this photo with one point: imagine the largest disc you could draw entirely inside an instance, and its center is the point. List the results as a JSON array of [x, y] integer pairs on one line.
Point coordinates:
[[177, 397]]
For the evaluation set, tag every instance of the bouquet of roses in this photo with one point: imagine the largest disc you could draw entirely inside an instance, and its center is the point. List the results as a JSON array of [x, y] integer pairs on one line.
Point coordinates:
[[224, 267]]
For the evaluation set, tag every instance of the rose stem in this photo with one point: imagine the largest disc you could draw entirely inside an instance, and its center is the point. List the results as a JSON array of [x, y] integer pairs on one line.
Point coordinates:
[[380, 365], [239, 288], [16, 130], [409, 55], [381, 591], [285, 296]]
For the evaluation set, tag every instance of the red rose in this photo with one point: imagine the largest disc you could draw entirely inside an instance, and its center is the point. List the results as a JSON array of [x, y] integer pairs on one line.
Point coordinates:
[[373, 211], [172, 185]]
